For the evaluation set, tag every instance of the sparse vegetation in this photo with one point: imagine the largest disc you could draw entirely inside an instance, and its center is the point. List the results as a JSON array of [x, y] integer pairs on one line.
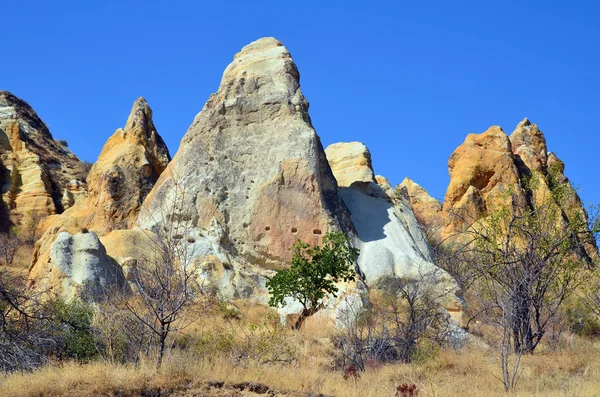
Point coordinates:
[[313, 274]]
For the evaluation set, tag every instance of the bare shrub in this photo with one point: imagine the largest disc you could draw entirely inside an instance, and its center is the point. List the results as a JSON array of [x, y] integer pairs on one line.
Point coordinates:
[[169, 295], [26, 336], [9, 244], [405, 316]]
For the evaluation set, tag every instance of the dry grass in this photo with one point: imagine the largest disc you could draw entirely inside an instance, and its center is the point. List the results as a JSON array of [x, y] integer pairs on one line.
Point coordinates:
[[572, 371], [468, 373]]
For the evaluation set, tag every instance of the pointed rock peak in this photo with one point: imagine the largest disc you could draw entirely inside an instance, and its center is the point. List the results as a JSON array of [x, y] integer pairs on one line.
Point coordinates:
[[261, 74], [524, 123], [416, 191], [140, 118], [529, 143], [13, 107], [350, 162]]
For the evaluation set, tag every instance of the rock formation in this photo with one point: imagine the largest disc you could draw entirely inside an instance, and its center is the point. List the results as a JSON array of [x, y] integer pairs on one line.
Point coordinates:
[[129, 164], [251, 176], [483, 175], [390, 240], [35, 169], [78, 264], [493, 170], [427, 210], [350, 162]]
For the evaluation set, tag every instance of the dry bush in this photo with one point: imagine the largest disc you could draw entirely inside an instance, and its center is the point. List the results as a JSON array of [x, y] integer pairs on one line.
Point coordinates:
[[404, 323]]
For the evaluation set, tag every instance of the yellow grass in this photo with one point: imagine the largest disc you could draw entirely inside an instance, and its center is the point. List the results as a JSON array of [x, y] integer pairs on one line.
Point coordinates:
[[572, 371]]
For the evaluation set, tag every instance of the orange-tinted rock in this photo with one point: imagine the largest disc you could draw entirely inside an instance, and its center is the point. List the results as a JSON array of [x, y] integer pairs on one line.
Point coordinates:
[[126, 170], [35, 169], [428, 210]]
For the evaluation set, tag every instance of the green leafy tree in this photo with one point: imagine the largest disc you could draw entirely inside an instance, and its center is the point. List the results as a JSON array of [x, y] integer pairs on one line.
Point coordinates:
[[313, 274]]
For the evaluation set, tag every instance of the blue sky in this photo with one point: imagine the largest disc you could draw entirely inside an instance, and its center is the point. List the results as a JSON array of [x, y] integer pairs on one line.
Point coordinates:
[[409, 79]]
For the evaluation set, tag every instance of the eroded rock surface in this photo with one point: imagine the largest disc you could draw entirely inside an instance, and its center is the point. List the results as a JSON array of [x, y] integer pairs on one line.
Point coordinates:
[[127, 168], [251, 167], [78, 265], [427, 209], [35, 169], [350, 162], [391, 242]]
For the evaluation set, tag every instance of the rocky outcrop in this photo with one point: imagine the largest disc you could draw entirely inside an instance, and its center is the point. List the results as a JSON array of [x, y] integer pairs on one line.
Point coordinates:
[[35, 169], [483, 175], [427, 210], [350, 162], [127, 168], [78, 265], [492, 170], [250, 177], [390, 240]]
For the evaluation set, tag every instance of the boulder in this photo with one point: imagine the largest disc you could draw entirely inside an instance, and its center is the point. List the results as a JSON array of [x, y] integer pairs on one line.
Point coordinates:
[[78, 265], [350, 162]]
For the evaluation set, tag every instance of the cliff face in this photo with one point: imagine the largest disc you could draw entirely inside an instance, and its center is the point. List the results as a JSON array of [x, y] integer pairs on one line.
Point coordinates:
[[251, 167], [35, 169], [391, 243], [493, 170], [128, 166]]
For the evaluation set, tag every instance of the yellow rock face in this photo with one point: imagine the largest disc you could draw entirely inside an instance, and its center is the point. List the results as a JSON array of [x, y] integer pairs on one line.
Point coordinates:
[[34, 168], [483, 175], [126, 170], [350, 162], [428, 210]]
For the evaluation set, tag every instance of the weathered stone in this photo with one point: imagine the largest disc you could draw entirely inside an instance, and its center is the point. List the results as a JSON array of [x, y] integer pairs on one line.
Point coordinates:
[[34, 168], [78, 266], [129, 164], [252, 165], [483, 175], [427, 210], [350, 162], [389, 237]]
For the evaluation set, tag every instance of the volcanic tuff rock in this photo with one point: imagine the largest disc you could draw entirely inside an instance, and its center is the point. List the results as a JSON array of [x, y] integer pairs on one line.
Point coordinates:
[[35, 169], [427, 210], [491, 170], [129, 164], [390, 240], [483, 175], [78, 265], [250, 176], [350, 162]]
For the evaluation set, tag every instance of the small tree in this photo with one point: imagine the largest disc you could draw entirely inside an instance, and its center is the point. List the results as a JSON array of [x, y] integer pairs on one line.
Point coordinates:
[[313, 274], [9, 244], [168, 295]]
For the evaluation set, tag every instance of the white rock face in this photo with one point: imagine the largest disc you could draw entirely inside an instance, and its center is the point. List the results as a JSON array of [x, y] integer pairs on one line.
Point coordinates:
[[250, 177], [390, 240], [80, 264]]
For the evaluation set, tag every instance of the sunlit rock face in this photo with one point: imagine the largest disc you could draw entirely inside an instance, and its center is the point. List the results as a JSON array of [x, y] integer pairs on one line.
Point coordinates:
[[389, 237], [78, 266], [128, 166], [251, 168], [493, 170], [35, 169]]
